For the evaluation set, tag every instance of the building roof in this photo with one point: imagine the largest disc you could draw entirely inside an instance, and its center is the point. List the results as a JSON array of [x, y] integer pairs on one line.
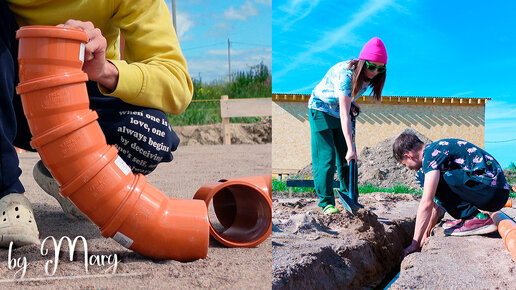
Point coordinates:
[[278, 97]]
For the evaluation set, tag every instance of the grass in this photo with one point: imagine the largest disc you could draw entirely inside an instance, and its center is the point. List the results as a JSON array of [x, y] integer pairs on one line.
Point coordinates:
[[366, 188], [510, 175], [205, 106]]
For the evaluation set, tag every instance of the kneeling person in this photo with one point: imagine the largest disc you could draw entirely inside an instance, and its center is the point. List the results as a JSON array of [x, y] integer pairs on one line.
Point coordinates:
[[462, 178]]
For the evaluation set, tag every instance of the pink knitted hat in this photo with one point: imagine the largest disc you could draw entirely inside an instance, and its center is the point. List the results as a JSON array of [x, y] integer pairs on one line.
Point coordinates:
[[374, 50]]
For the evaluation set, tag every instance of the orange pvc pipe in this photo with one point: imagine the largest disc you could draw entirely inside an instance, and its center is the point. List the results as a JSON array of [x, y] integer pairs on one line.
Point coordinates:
[[91, 174], [243, 206], [507, 229], [49, 50]]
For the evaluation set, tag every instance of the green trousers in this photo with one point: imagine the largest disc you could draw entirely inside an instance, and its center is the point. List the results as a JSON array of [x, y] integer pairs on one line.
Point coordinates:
[[328, 151]]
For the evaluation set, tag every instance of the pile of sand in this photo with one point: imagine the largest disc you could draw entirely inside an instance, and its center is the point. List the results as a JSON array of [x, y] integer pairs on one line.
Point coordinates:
[[377, 166], [254, 133]]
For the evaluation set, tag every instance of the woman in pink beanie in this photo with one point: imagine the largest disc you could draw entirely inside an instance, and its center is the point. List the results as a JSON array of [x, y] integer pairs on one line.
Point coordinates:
[[330, 122]]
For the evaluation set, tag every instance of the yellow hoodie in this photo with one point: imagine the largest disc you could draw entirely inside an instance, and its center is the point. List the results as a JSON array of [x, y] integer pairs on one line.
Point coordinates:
[[154, 73]]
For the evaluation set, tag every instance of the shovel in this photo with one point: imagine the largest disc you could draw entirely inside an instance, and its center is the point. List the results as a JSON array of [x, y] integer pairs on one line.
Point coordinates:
[[350, 202]]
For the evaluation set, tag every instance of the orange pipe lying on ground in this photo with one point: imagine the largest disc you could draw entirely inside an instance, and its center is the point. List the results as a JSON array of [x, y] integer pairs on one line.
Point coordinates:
[[91, 174], [507, 229], [243, 206]]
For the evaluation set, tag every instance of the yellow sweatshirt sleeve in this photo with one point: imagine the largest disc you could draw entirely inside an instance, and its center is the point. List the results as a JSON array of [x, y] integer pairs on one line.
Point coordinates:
[[154, 73]]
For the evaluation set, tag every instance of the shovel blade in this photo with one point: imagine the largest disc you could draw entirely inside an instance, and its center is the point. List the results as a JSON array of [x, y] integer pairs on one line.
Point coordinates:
[[348, 203]]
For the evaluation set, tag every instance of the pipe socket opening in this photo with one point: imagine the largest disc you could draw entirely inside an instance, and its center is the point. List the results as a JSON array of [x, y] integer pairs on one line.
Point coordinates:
[[243, 213]]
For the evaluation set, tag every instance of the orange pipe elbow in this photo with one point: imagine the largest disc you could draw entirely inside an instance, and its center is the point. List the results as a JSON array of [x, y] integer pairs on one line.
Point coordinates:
[[507, 230], [243, 207], [91, 174]]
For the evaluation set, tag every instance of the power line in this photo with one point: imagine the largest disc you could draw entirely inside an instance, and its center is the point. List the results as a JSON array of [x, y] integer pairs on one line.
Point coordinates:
[[204, 46], [502, 141], [253, 44]]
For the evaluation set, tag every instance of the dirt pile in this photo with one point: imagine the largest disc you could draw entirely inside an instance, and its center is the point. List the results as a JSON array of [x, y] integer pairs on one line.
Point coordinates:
[[254, 133], [311, 250], [377, 166]]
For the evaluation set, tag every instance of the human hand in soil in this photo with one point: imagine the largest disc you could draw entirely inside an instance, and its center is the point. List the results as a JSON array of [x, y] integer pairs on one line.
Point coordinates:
[[414, 247], [98, 68], [351, 154]]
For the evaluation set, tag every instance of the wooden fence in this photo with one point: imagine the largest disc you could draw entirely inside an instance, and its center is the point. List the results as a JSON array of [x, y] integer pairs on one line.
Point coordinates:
[[242, 108]]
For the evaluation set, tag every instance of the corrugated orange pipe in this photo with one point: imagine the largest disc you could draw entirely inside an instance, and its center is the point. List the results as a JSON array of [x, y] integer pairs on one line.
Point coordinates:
[[243, 206], [72, 146], [507, 229]]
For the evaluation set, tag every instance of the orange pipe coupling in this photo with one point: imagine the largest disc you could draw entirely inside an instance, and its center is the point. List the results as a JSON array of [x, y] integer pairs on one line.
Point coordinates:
[[91, 174], [243, 207], [507, 229]]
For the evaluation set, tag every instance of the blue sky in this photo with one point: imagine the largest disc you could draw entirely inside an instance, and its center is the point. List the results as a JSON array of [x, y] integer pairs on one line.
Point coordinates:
[[203, 28], [435, 48]]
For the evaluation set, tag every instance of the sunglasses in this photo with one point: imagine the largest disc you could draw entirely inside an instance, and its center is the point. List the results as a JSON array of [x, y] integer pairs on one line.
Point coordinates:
[[373, 67]]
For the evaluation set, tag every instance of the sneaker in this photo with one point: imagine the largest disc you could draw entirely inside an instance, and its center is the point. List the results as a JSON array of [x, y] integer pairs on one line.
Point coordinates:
[[330, 209], [17, 223], [45, 180], [451, 224], [474, 226]]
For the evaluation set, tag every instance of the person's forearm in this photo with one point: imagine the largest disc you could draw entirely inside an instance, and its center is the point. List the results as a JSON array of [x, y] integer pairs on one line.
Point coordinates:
[[109, 77], [346, 130], [345, 121], [423, 221], [433, 221], [424, 217]]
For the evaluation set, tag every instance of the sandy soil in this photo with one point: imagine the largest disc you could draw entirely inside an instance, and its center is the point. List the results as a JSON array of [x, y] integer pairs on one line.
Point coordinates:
[[364, 251], [254, 133], [192, 167], [339, 251], [473, 262]]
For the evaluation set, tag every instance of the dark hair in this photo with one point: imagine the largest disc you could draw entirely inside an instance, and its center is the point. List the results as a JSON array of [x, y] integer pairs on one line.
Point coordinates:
[[406, 142], [358, 67]]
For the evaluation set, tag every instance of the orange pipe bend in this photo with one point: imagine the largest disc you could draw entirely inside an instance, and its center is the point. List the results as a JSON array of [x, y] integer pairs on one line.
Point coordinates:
[[243, 207], [91, 174], [507, 229]]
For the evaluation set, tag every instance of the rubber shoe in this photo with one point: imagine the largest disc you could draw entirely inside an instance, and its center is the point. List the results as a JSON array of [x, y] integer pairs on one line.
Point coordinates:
[[17, 223], [330, 209], [474, 226], [45, 180], [451, 224]]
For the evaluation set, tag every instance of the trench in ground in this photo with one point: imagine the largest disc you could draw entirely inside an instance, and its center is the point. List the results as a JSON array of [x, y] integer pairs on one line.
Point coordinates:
[[371, 263]]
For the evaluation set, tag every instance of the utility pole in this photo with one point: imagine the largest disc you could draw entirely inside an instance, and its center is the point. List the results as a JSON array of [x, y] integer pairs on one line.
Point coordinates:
[[174, 14], [229, 63]]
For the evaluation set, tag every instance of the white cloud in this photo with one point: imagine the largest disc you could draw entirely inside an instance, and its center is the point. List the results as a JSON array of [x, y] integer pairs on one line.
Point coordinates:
[[461, 94], [296, 10], [266, 2], [337, 36], [246, 10], [183, 23]]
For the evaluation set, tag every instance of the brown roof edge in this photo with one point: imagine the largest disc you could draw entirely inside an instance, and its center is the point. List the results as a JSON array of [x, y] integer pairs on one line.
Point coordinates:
[[404, 99]]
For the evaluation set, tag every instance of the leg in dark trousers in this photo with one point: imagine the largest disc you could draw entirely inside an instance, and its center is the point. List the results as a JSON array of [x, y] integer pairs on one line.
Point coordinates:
[[9, 163], [17, 224], [461, 195]]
